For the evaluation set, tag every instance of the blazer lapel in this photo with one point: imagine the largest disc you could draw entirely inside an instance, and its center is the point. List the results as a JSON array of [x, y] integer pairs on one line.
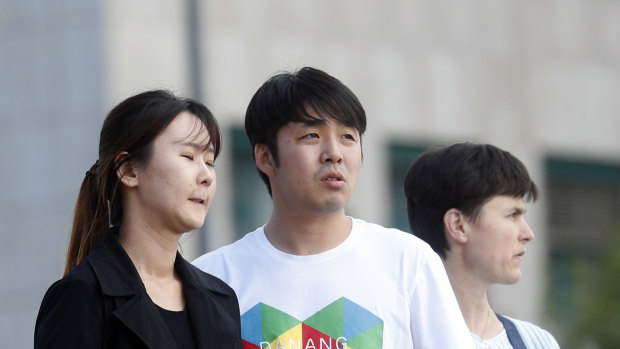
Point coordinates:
[[141, 316], [198, 312], [120, 280], [209, 318]]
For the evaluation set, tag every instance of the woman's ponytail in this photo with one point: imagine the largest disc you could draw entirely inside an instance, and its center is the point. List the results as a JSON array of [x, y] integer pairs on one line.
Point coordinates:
[[90, 218]]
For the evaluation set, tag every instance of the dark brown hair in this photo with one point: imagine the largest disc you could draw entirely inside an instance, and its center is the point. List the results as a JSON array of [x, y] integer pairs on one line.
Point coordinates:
[[462, 176], [130, 128]]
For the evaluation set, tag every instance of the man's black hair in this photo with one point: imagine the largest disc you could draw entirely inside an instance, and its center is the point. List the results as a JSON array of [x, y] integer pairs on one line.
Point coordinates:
[[308, 94]]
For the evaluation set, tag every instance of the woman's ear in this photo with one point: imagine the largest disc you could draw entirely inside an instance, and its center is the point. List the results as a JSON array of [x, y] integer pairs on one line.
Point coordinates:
[[126, 172], [264, 160], [455, 223]]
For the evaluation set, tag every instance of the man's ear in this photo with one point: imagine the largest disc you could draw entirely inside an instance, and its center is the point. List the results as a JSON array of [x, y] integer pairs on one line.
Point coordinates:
[[455, 223], [264, 160], [126, 173]]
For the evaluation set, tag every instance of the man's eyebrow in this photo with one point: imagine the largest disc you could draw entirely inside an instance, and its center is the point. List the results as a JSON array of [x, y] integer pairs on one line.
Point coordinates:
[[520, 210], [314, 122]]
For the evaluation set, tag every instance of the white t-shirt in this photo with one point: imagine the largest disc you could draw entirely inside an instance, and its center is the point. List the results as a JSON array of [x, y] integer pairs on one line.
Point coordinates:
[[379, 289]]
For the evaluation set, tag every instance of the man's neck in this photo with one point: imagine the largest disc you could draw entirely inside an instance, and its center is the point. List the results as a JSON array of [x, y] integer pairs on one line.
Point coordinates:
[[307, 235]]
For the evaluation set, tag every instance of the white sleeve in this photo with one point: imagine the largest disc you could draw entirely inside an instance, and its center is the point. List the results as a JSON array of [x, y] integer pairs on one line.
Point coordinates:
[[436, 320]]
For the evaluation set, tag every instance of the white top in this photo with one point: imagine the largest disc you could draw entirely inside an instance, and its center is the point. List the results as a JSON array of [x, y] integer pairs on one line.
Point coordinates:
[[533, 337], [380, 288]]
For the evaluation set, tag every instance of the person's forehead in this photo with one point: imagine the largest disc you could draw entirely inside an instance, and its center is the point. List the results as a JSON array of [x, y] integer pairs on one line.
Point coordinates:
[[319, 120], [186, 128], [505, 202]]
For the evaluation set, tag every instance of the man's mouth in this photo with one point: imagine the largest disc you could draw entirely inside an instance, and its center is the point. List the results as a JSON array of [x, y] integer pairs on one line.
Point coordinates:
[[333, 177]]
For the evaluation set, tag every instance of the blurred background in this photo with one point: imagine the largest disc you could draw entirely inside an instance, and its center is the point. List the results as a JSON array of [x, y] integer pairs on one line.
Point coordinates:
[[540, 79]]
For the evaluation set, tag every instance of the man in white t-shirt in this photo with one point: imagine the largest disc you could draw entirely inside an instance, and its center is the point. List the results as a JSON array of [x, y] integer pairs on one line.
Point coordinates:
[[313, 277]]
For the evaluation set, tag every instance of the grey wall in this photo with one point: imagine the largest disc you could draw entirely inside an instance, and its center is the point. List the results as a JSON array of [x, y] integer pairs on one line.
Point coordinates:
[[536, 78], [51, 86]]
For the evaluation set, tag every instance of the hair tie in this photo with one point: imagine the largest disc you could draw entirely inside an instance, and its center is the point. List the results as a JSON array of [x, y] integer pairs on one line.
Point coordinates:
[[93, 169]]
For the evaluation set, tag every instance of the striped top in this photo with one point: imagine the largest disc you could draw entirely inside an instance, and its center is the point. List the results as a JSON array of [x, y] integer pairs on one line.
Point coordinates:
[[533, 336]]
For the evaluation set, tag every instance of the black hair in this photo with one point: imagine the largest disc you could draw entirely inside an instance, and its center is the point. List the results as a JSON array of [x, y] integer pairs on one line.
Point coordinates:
[[293, 97], [463, 176]]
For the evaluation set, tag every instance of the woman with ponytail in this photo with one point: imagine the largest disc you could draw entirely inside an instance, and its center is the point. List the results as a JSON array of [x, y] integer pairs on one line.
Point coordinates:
[[124, 284]]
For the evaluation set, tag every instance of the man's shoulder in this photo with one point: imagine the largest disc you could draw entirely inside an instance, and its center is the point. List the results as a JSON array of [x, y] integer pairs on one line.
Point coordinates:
[[233, 251], [204, 280], [386, 235]]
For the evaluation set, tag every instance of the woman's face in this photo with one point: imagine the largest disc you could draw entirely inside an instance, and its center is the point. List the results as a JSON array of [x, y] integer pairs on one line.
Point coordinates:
[[175, 189]]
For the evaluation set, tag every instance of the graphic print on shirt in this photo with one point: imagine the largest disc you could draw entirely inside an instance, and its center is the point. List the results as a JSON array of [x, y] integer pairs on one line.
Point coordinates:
[[340, 325]]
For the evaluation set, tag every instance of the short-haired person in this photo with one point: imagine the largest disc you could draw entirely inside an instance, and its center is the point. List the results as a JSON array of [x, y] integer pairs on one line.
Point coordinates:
[[125, 285], [468, 202], [313, 277]]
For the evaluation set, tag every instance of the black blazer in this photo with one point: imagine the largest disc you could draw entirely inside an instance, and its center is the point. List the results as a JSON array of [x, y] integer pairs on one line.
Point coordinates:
[[102, 303]]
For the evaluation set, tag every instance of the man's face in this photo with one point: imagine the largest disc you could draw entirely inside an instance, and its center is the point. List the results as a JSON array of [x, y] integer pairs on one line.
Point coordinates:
[[497, 239], [318, 166]]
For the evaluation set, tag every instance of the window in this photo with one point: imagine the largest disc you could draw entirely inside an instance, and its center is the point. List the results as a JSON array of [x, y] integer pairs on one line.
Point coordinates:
[[401, 156], [583, 222], [251, 201], [584, 206]]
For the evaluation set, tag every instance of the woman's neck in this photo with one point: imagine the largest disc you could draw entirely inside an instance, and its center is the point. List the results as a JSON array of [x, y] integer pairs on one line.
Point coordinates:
[[471, 294], [153, 254]]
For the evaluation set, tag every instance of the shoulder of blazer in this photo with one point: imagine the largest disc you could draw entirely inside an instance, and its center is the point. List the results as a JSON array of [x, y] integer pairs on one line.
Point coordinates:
[[213, 307], [195, 277], [113, 268], [71, 312]]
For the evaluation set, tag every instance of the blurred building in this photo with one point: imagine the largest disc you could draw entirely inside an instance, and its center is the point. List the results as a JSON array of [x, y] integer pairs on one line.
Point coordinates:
[[540, 79]]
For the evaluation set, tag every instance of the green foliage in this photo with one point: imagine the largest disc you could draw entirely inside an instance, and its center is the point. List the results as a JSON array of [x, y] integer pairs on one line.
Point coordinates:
[[597, 302]]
